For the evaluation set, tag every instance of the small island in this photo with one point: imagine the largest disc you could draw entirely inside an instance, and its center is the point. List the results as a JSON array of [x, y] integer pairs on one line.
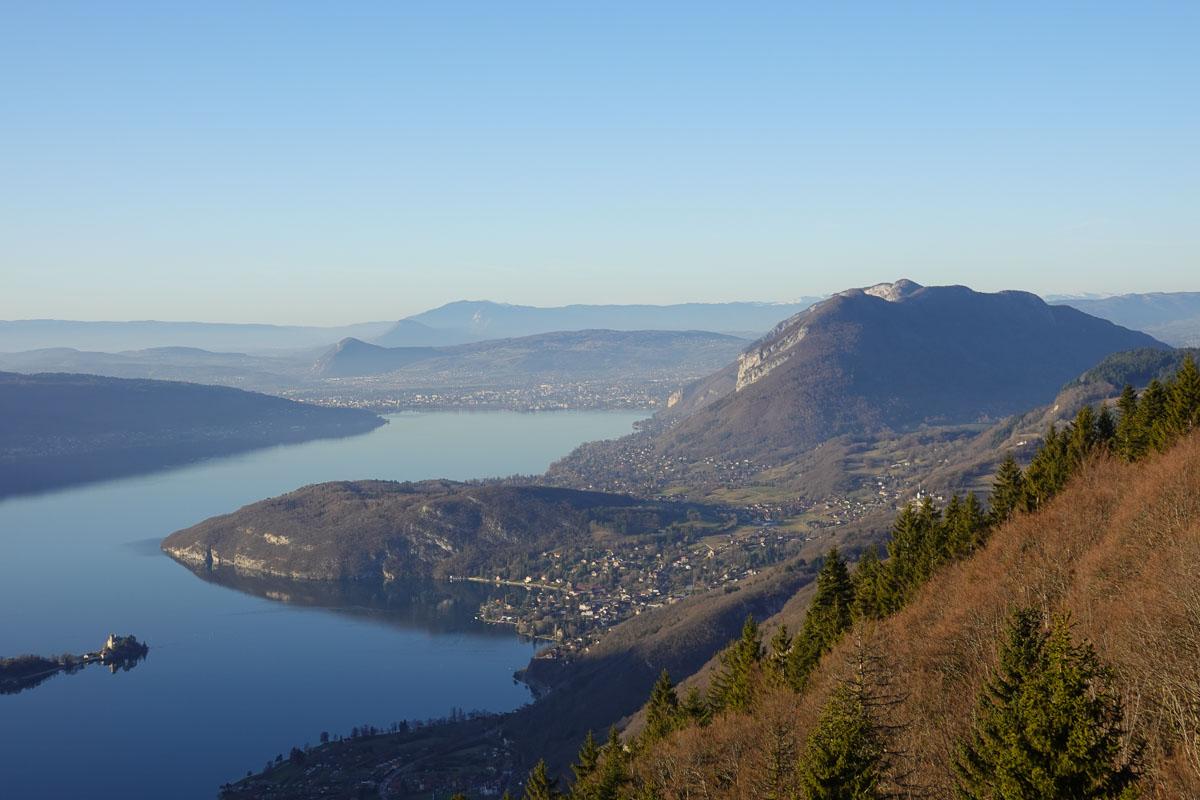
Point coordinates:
[[25, 672]]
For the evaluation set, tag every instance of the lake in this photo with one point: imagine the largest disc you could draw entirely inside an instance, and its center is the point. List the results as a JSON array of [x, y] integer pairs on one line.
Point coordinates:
[[235, 677]]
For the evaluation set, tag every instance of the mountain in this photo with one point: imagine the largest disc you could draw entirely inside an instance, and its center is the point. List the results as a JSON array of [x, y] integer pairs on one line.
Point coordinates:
[[1173, 317], [892, 357], [477, 320], [60, 429], [258, 372], [589, 355], [351, 357], [374, 530], [410, 333], [111, 337]]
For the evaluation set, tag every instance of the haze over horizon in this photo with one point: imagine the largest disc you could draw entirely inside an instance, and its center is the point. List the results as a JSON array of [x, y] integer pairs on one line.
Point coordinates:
[[286, 163]]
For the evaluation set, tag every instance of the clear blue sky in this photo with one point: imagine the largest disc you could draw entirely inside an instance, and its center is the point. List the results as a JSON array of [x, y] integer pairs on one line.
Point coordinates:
[[333, 162]]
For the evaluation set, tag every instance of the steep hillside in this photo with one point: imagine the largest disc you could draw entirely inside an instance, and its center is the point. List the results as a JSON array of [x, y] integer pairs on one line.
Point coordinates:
[[372, 530], [59, 429]]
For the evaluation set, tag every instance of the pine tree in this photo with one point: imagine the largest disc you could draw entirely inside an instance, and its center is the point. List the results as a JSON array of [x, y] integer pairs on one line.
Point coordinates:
[[777, 655], [1008, 491], [1129, 436], [843, 757], [829, 614], [694, 707], [868, 580], [933, 545], [1048, 725], [589, 757], [1081, 440], [662, 712], [1152, 417], [1184, 410], [539, 785], [613, 773], [733, 687], [1106, 427], [1050, 468], [967, 527]]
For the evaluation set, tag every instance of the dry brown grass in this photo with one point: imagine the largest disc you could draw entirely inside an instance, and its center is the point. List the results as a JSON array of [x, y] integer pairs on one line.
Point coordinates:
[[1118, 550]]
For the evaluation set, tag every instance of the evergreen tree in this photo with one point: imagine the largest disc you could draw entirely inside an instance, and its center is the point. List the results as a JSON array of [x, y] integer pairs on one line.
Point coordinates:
[[843, 757], [694, 708], [1152, 417], [589, 757], [1184, 409], [662, 712], [1130, 444], [1049, 469], [965, 524], [613, 773], [933, 545], [733, 687], [1106, 427], [1081, 440], [868, 581], [777, 655], [828, 615], [1048, 725], [539, 785], [1008, 491]]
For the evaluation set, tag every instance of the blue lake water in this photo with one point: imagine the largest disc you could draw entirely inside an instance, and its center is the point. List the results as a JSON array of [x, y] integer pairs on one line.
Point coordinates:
[[234, 677]]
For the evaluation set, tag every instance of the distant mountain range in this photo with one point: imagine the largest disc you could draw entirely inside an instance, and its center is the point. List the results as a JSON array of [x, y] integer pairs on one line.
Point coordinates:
[[113, 337], [1173, 317], [454, 323], [592, 355], [257, 372], [477, 320], [61, 429]]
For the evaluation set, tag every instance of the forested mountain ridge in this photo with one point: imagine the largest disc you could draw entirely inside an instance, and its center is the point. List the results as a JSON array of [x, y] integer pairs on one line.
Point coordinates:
[[58, 429], [374, 530]]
